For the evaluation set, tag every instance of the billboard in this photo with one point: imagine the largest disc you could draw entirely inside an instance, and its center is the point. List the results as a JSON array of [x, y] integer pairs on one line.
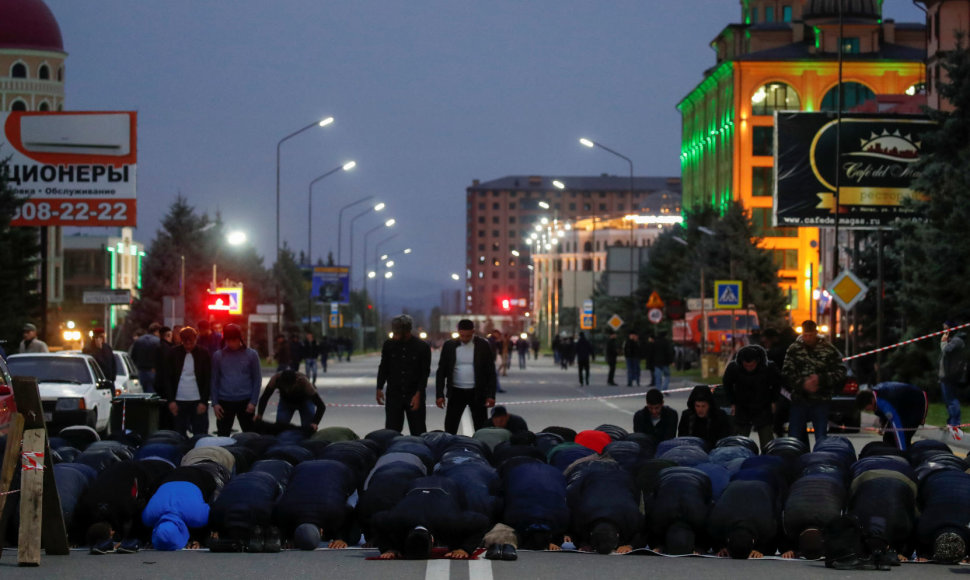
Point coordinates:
[[331, 284], [875, 168], [74, 168]]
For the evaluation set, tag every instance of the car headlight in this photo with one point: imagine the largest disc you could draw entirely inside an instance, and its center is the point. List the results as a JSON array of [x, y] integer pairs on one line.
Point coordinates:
[[69, 404]]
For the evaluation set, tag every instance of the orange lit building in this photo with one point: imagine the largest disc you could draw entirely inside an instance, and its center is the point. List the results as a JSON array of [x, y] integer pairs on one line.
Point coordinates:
[[783, 56]]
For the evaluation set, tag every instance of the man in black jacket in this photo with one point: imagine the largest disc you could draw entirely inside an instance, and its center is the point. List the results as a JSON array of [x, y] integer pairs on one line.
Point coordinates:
[[466, 375], [703, 418], [612, 352], [405, 366], [187, 384], [753, 383], [656, 419]]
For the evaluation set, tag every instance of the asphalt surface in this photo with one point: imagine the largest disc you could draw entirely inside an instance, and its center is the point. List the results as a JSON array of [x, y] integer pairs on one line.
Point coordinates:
[[542, 394]]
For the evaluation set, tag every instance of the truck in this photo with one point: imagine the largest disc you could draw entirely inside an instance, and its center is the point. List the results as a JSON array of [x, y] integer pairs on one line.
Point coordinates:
[[686, 333]]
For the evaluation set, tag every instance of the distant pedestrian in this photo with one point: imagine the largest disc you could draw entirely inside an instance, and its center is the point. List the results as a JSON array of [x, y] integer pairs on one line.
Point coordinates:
[[522, 348], [324, 346], [208, 338], [535, 347], [188, 381], [466, 376], [612, 353], [102, 353], [663, 357], [310, 349], [556, 353], [31, 343], [145, 354], [953, 375], [405, 367], [632, 353], [281, 353], [584, 351], [236, 380]]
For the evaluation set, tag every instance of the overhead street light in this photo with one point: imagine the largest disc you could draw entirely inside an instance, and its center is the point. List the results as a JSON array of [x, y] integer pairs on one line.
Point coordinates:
[[321, 123], [309, 232], [340, 223]]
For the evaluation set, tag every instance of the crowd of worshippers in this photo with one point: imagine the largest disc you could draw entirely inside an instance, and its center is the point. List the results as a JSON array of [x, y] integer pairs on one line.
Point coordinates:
[[603, 490]]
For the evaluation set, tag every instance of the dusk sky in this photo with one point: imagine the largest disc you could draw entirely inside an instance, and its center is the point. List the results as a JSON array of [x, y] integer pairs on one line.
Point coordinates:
[[427, 96]]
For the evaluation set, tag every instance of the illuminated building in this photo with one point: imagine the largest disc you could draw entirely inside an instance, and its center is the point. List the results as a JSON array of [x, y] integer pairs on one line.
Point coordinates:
[[783, 55]]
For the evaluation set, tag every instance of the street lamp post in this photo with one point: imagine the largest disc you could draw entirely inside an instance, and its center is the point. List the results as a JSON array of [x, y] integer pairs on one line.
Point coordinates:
[[589, 143], [377, 207], [309, 232], [340, 221], [279, 145], [378, 259], [387, 224]]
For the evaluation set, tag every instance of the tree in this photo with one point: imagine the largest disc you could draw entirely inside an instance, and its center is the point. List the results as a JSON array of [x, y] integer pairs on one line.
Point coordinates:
[[935, 254], [20, 298]]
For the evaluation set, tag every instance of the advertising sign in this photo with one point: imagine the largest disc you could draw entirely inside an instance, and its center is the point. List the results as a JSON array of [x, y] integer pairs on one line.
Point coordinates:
[[875, 168], [331, 284], [75, 168]]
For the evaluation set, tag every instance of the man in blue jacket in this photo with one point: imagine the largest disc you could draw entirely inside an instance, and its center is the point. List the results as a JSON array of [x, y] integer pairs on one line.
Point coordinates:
[[175, 507], [900, 407], [236, 380]]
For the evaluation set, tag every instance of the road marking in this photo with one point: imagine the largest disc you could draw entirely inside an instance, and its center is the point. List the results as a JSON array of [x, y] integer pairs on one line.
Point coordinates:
[[438, 570], [479, 570], [607, 403]]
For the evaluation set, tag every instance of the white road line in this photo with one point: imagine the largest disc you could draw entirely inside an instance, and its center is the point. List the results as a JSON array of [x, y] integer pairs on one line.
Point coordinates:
[[605, 402], [479, 570], [438, 570]]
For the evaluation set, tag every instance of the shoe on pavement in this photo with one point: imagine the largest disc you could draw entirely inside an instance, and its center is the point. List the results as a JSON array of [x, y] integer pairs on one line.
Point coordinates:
[[256, 541], [955, 433], [508, 553], [105, 547], [129, 546], [494, 552], [272, 542]]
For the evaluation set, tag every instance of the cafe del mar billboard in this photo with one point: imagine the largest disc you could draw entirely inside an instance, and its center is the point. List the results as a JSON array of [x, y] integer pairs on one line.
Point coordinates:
[[871, 177]]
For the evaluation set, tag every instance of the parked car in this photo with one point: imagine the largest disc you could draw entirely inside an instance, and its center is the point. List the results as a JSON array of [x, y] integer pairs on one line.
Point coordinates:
[[73, 389], [7, 405], [127, 380]]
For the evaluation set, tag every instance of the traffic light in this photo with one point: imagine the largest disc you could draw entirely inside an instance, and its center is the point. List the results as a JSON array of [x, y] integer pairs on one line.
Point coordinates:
[[215, 302]]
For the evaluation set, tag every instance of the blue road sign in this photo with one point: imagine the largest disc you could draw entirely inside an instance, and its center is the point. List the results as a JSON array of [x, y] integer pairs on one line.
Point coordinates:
[[727, 294]]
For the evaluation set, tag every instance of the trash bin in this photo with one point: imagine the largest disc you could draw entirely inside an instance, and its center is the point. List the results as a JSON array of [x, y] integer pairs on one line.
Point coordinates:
[[710, 365], [137, 412]]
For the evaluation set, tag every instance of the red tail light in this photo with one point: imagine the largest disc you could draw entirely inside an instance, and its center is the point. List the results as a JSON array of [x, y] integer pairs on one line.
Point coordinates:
[[851, 387]]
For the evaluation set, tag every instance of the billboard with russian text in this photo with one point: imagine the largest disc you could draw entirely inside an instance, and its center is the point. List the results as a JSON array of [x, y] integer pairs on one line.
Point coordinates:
[[75, 168], [877, 163]]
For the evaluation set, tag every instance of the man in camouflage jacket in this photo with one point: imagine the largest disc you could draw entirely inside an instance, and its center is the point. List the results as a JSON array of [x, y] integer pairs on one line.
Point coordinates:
[[814, 371]]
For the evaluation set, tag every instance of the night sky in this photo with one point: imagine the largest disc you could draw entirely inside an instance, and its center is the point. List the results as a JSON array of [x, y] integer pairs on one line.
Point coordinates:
[[427, 96]]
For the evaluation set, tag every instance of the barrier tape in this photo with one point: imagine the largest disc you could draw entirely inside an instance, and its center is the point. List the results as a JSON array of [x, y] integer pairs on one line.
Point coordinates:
[[905, 342], [32, 460]]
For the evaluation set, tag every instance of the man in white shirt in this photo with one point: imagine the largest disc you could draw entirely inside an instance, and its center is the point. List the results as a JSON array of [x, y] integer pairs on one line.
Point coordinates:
[[187, 388], [466, 376]]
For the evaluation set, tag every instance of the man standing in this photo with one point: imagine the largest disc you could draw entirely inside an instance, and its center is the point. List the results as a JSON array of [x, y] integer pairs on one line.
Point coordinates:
[[663, 357], [584, 350], [209, 339], [953, 366], [405, 367], [236, 379], [522, 347], [310, 350], [31, 343], [466, 375], [612, 352], [752, 383], [187, 384], [631, 352], [814, 370], [102, 353], [145, 354]]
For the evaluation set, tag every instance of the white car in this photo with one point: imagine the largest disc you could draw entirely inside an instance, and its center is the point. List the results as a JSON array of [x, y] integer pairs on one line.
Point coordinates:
[[73, 389], [126, 381]]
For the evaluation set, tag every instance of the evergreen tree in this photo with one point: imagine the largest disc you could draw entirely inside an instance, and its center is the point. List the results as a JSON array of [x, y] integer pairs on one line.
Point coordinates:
[[20, 298]]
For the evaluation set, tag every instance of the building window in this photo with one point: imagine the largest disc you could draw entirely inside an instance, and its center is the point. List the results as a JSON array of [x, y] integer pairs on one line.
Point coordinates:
[[512, 205], [754, 16], [18, 106], [572, 207], [855, 94], [771, 97], [495, 219], [495, 206], [620, 207], [762, 181], [512, 233], [785, 259], [761, 220], [481, 207], [481, 247], [496, 262], [850, 45], [512, 219], [481, 233], [481, 259], [769, 13], [602, 207], [495, 246], [481, 219], [44, 107], [786, 13], [495, 233], [60, 74], [18, 71], [762, 140], [587, 207], [44, 73]]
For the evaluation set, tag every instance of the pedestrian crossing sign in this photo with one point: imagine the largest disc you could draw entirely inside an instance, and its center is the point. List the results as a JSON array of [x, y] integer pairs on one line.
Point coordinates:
[[727, 294]]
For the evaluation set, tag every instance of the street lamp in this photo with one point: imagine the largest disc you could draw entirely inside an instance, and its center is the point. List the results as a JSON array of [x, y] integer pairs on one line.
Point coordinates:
[[233, 238], [279, 145], [589, 143], [340, 221], [376, 208], [309, 232]]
